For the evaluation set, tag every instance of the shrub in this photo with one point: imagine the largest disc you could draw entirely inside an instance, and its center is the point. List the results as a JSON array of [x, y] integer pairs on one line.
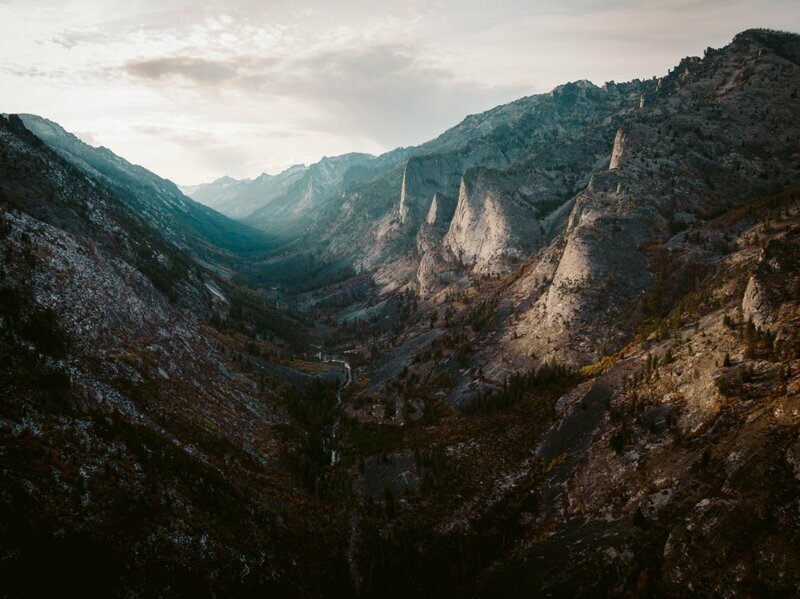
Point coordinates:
[[598, 368]]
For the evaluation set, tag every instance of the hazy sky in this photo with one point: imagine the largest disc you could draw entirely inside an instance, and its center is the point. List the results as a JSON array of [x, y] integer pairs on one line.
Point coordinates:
[[195, 90]]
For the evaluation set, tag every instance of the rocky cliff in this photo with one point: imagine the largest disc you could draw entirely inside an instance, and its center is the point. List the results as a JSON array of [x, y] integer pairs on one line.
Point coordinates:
[[691, 151]]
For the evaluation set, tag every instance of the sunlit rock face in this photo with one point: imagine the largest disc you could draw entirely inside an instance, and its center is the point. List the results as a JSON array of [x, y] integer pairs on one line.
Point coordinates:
[[491, 226], [617, 151]]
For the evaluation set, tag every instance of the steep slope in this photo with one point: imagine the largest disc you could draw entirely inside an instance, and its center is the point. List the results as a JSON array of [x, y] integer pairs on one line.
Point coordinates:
[[136, 446], [670, 465], [180, 219], [716, 132]]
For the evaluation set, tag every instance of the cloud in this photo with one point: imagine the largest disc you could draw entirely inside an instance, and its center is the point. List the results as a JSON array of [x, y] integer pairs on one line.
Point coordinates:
[[87, 137], [191, 69], [73, 38], [33, 72], [383, 92]]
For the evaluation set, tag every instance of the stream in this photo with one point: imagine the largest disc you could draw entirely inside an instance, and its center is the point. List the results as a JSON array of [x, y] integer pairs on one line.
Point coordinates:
[[330, 442]]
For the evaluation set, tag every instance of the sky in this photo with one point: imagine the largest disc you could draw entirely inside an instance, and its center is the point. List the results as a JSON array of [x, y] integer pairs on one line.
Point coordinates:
[[196, 90]]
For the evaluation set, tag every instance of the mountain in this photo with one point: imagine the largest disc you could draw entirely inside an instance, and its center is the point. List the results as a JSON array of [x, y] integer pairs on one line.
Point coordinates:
[[239, 198], [274, 201], [580, 180], [179, 218], [385, 200], [697, 146], [554, 351], [129, 420]]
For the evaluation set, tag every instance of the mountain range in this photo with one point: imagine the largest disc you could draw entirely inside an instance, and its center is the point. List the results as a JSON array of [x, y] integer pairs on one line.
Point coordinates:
[[555, 350]]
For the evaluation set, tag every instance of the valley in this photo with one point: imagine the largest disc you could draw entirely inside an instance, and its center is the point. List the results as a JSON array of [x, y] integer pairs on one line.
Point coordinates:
[[553, 351]]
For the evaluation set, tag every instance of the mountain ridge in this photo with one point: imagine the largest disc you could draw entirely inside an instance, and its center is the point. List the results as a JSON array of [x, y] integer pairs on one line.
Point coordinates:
[[180, 218]]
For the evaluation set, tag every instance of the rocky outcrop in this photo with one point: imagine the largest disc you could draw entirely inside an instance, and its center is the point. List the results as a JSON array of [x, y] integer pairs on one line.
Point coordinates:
[[600, 271], [436, 223], [435, 212], [616, 152], [756, 304], [772, 282], [490, 226]]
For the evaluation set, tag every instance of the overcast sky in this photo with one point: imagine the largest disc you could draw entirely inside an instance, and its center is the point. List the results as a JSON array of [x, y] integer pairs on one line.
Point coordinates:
[[195, 90]]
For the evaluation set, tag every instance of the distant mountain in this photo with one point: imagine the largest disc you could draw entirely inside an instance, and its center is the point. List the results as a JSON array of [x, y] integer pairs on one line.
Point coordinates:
[[289, 198], [239, 198]]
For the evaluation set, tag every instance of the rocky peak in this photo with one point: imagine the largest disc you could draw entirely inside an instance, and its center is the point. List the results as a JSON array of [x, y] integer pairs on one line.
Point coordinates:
[[433, 210], [617, 150], [570, 93]]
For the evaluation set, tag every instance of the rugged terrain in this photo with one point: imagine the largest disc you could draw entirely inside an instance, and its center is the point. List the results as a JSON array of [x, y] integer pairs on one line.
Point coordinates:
[[565, 355], [131, 424]]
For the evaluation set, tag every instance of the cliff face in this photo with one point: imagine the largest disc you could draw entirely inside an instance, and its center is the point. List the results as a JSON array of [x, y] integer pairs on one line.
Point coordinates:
[[424, 177], [489, 228], [697, 146]]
